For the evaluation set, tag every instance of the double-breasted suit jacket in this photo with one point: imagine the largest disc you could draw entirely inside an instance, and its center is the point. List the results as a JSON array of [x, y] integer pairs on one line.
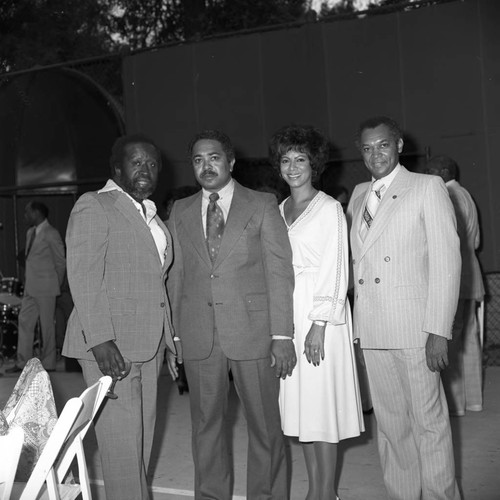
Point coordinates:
[[246, 294], [116, 278], [407, 277], [407, 270]]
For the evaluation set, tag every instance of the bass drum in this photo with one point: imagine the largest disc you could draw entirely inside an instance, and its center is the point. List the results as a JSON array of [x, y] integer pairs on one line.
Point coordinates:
[[8, 340], [11, 291], [8, 313]]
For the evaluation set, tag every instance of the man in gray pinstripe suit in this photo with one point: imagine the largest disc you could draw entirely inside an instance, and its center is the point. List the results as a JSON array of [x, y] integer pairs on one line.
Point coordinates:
[[118, 255], [406, 262]]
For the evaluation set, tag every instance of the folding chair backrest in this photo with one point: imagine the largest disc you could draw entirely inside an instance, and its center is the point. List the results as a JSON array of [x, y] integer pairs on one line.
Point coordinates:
[[65, 443], [92, 399], [10, 451], [44, 468]]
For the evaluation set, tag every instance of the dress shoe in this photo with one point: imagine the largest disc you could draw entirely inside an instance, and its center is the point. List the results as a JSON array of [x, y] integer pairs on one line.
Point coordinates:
[[14, 369]]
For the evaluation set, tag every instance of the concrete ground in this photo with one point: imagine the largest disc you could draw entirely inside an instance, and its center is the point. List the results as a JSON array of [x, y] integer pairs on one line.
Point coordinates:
[[476, 439]]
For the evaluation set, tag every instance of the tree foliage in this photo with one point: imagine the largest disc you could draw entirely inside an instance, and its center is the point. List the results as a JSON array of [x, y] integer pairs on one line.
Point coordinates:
[[146, 23], [43, 32]]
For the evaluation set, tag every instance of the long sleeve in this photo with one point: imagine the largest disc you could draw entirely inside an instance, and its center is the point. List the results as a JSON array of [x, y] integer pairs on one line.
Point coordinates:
[[333, 275], [87, 242], [443, 257], [277, 257], [56, 246]]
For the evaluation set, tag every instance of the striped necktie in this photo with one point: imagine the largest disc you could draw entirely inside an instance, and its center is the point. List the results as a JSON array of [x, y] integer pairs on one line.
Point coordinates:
[[215, 226], [371, 207]]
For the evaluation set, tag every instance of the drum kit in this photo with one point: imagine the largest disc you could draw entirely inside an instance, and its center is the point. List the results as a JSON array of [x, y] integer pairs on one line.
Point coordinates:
[[11, 294]]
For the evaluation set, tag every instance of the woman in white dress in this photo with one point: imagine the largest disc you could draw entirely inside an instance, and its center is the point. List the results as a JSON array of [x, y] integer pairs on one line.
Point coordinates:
[[320, 402]]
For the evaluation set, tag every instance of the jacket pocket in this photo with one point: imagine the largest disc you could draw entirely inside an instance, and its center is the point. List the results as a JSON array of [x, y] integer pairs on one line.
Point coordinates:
[[256, 302]]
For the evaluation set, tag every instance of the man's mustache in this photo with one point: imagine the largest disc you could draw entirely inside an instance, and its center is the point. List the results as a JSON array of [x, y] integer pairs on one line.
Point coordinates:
[[208, 172]]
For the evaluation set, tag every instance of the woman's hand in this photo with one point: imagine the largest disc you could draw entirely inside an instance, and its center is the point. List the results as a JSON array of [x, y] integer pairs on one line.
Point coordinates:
[[314, 345]]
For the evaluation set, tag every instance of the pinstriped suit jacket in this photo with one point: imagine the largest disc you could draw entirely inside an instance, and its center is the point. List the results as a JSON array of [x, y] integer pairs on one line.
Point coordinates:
[[116, 279], [247, 293], [407, 271]]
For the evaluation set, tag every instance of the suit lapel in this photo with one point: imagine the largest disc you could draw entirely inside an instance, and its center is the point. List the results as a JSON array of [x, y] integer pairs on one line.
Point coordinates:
[[190, 220], [357, 211], [240, 213], [128, 209], [389, 204]]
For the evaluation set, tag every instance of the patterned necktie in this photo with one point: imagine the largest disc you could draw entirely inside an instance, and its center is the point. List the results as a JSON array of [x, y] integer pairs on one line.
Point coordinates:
[[31, 240], [215, 226], [371, 207]]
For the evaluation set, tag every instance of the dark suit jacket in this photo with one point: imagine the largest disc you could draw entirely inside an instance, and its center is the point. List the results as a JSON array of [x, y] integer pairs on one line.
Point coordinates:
[[247, 294], [116, 278]]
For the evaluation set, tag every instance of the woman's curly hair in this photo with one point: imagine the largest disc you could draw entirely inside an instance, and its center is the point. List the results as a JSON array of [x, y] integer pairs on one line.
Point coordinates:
[[303, 139]]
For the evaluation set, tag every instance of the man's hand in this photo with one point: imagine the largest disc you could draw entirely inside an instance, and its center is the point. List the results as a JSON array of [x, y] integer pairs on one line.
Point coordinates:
[[173, 359], [171, 363], [436, 352], [109, 359], [283, 357]]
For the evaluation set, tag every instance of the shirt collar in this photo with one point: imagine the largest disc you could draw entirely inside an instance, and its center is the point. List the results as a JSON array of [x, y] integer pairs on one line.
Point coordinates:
[[387, 180], [41, 226], [226, 191], [111, 185]]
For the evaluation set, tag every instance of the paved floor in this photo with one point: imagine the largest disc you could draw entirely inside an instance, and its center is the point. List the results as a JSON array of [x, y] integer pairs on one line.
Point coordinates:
[[476, 438]]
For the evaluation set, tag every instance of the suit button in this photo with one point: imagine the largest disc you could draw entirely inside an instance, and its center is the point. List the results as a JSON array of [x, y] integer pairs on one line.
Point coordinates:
[[162, 304], [212, 276], [210, 304], [377, 280], [387, 259], [361, 281], [353, 261]]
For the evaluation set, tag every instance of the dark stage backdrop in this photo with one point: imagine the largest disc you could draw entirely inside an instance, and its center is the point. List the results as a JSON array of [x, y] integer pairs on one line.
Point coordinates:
[[435, 69]]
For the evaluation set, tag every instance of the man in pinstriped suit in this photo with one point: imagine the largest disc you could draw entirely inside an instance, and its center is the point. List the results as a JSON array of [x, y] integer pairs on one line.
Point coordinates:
[[406, 262], [118, 255]]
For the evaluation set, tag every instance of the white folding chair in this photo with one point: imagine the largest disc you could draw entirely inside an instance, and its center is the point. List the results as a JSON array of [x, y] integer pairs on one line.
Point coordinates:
[[10, 451], [65, 444]]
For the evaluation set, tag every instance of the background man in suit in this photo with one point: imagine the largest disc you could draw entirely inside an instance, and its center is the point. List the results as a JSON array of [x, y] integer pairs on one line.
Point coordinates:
[[406, 261], [463, 379], [118, 255], [45, 266], [231, 287]]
